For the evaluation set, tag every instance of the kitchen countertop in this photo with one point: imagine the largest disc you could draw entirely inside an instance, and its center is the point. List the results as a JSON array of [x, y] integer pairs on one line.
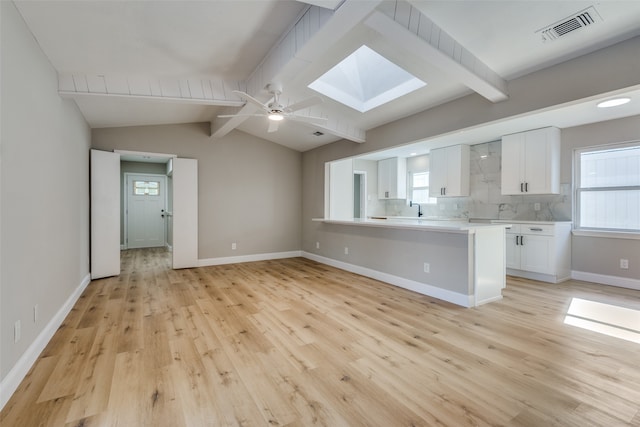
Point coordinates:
[[445, 226], [513, 221]]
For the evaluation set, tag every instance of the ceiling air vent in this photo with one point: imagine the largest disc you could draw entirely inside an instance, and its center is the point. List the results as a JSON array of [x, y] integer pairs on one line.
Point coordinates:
[[318, 133], [584, 18]]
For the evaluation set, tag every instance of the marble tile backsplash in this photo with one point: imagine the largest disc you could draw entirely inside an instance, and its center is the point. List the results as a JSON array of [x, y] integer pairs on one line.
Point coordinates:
[[485, 200]]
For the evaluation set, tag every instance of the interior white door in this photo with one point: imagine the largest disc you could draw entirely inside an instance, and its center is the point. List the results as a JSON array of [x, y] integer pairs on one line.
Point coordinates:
[[146, 197], [105, 214], [185, 213]]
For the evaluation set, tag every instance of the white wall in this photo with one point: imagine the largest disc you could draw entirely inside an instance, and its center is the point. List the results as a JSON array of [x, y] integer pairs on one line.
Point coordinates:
[[44, 193]]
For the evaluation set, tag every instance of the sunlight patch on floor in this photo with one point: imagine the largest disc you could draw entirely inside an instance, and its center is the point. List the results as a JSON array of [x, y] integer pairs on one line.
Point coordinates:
[[608, 319]]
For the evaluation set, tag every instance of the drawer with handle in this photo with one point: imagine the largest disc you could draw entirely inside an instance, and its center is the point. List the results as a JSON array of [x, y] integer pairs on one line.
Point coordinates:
[[543, 230]]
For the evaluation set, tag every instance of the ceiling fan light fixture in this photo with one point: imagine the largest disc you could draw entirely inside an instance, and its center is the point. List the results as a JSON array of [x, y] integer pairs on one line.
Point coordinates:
[[276, 117], [613, 102]]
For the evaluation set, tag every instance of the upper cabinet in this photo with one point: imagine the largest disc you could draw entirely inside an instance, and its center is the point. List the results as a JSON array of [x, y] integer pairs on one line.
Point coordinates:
[[531, 162], [392, 178], [449, 171]]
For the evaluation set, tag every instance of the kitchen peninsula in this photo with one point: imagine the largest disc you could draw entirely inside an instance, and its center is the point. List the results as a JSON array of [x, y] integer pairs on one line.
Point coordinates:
[[456, 261]]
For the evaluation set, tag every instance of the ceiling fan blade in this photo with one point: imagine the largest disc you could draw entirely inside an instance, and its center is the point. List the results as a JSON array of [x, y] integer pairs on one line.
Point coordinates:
[[251, 99], [304, 103], [273, 126], [226, 116], [307, 119]]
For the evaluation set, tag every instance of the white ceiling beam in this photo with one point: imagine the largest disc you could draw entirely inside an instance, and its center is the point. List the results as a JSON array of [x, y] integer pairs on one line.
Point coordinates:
[[409, 28], [327, 4], [315, 32], [343, 129], [192, 90]]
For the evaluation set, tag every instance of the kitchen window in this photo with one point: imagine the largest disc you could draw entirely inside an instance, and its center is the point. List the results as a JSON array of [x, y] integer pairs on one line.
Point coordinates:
[[608, 188], [420, 188]]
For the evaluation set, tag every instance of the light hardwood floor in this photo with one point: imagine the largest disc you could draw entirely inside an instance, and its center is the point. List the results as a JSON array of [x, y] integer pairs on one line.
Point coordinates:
[[296, 343]]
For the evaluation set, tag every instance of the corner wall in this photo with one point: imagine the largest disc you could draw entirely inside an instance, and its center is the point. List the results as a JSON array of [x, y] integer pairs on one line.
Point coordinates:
[[44, 199]]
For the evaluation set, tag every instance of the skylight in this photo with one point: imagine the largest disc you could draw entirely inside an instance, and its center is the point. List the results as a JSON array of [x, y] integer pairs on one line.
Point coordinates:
[[365, 80]]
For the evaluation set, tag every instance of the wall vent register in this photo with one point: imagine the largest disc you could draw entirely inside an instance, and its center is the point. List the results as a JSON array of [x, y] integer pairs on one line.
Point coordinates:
[[582, 19]]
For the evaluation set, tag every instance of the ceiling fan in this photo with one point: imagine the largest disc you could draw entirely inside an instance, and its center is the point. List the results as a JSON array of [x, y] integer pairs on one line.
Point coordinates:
[[276, 112]]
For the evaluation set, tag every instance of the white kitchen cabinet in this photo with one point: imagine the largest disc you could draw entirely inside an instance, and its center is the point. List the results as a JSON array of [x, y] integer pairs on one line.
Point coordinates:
[[392, 178], [531, 162], [539, 251], [449, 171]]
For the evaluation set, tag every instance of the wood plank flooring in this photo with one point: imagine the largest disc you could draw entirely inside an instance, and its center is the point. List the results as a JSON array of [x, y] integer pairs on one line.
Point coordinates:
[[295, 343]]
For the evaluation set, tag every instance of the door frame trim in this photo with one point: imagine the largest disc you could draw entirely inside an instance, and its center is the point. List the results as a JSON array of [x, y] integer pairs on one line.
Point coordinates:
[[125, 204]]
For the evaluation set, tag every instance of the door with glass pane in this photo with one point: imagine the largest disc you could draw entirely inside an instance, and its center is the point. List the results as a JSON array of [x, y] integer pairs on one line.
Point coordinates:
[[146, 204]]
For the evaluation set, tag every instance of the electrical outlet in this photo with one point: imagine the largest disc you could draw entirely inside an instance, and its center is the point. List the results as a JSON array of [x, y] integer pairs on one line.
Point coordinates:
[[234, 246], [346, 250], [536, 206], [16, 332], [35, 313], [317, 245], [427, 267], [624, 264]]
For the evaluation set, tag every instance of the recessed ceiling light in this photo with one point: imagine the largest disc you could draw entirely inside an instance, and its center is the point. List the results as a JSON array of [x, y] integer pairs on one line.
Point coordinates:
[[413, 154], [613, 102]]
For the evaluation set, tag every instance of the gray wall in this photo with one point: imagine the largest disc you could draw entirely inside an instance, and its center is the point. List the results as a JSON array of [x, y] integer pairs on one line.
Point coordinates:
[[575, 79], [249, 189], [44, 190], [596, 254]]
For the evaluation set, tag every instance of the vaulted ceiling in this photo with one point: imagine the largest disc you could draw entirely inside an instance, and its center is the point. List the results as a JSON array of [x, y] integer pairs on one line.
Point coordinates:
[[129, 63]]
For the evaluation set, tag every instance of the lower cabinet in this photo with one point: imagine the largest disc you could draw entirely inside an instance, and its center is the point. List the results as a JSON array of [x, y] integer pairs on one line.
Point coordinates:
[[539, 251]]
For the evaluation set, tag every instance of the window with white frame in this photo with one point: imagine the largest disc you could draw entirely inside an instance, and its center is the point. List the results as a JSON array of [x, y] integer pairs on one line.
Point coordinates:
[[608, 188], [420, 188], [146, 188]]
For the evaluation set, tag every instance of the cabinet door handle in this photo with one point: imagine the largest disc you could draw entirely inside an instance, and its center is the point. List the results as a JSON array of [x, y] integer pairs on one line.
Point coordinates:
[[535, 229], [386, 194], [526, 187], [517, 241], [521, 240], [521, 187]]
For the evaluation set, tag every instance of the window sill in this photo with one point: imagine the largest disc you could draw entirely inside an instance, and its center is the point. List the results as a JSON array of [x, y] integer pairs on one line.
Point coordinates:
[[607, 234]]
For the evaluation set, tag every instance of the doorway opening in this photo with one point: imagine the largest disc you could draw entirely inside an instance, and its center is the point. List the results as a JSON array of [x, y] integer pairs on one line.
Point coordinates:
[[359, 194], [145, 210]]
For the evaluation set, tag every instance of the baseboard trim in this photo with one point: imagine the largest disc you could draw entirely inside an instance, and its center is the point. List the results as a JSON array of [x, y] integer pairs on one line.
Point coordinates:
[[549, 278], [20, 370], [621, 282], [412, 285], [247, 258]]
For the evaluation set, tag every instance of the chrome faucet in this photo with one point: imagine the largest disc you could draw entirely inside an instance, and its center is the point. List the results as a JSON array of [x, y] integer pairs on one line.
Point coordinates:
[[419, 209]]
